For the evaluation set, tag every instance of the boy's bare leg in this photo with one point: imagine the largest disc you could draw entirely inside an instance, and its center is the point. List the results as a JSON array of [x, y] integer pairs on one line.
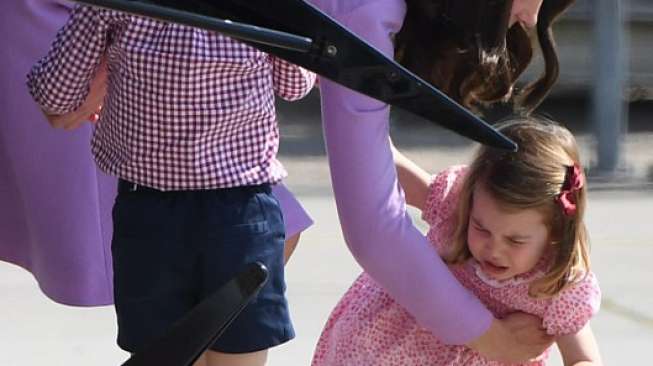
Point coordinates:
[[289, 247], [201, 361], [212, 358], [236, 359]]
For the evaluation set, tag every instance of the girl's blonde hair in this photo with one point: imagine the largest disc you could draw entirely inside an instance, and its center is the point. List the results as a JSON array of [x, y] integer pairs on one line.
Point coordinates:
[[532, 177]]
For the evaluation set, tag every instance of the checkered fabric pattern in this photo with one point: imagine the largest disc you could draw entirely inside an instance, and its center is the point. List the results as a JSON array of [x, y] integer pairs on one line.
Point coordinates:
[[186, 108]]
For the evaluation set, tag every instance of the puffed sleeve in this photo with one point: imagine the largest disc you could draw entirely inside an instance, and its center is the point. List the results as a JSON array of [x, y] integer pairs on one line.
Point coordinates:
[[371, 205], [572, 308], [441, 203]]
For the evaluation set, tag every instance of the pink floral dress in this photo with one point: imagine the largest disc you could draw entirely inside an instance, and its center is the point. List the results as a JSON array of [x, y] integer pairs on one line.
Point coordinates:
[[368, 327]]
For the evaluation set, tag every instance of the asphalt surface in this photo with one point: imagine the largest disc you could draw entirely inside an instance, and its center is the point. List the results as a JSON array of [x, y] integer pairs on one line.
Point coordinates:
[[36, 331]]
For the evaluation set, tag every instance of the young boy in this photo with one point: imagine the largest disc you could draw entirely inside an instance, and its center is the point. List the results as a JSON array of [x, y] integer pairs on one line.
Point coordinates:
[[189, 127]]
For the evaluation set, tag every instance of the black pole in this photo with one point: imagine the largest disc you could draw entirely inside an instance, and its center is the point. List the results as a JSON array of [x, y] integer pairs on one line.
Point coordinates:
[[240, 31]]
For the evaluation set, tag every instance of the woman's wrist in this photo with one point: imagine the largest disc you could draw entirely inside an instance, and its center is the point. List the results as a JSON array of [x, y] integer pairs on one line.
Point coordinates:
[[487, 344]]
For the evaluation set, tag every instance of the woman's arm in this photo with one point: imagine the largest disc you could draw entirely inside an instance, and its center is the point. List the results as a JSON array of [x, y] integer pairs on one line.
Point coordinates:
[[579, 349], [413, 179], [372, 210]]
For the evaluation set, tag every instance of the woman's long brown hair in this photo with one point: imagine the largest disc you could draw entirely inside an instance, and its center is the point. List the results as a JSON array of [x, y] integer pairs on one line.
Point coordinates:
[[464, 47]]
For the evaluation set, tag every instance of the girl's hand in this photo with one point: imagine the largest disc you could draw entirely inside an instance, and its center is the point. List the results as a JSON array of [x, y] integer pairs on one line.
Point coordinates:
[[90, 109], [515, 339]]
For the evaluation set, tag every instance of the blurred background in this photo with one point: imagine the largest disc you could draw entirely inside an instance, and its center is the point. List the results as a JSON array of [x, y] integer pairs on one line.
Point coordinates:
[[604, 95]]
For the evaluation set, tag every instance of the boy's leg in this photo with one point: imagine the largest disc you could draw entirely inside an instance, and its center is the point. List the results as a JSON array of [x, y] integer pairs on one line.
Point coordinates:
[[241, 226], [236, 359], [213, 358], [289, 247], [201, 361], [154, 267]]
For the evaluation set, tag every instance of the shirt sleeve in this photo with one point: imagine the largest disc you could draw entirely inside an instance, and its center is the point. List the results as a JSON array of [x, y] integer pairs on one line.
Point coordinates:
[[291, 82], [60, 81], [572, 308], [370, 203], [441, 204]]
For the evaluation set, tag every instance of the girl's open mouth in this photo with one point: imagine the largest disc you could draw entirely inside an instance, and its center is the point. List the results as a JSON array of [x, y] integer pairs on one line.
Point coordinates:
[[493, 269]]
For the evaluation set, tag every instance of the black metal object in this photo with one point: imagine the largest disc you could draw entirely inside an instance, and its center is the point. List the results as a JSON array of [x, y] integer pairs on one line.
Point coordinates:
[[196, 331], [335, 53], [244, 32]]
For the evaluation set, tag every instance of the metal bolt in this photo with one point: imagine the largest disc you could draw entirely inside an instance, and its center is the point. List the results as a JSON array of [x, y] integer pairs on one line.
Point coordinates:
[[331, 50]]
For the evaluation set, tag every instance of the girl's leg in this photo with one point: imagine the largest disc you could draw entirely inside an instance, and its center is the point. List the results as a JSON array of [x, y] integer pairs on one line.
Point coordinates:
[[289, 247], [236, 359]]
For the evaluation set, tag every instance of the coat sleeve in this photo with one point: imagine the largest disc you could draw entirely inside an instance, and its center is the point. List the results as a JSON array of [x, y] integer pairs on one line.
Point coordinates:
[[371, 205]]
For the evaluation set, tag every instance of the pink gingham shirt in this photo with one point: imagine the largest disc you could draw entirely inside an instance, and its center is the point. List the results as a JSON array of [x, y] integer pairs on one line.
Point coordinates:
[[185, 109]]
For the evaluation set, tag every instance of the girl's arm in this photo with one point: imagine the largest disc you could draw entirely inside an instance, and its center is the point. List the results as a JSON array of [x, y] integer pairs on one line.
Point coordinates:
[[579, 349], [413, 179], [568, 317]]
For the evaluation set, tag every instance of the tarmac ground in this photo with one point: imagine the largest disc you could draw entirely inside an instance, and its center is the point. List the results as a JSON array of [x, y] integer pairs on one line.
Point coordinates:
[[36, 331]]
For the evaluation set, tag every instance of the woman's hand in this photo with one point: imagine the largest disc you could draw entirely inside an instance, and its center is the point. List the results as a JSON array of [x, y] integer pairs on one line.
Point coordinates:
[[517, 338], [90, 109]]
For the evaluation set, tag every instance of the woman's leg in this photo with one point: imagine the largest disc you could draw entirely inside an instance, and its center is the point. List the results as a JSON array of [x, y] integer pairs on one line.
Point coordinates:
[[235, 359], [289, 247]]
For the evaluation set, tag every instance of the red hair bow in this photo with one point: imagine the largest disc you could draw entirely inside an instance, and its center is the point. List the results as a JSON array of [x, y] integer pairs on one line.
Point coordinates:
[[574, 181]]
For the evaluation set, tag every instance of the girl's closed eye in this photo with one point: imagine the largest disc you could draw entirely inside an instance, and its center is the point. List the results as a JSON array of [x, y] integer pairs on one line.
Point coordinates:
[[516, 241], [479, 228]]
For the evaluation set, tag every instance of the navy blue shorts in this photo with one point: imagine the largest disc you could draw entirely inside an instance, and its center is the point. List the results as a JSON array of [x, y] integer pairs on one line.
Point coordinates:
[[172, 249]]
